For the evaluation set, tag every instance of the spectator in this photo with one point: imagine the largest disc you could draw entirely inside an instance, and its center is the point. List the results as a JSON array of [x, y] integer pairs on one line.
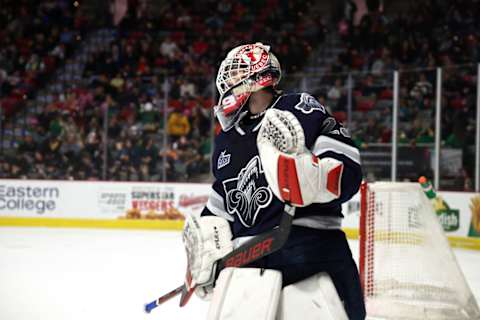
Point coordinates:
[[187, 88], [422, 88], [336, 91], [178, 124], [168, 48]]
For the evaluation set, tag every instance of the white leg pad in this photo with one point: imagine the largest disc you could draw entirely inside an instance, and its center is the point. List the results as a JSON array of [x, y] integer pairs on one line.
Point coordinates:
[[246, 293], [311, 299]]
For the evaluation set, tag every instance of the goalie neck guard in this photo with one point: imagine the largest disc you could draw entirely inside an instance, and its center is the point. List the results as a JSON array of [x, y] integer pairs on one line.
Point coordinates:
[[246, 69]]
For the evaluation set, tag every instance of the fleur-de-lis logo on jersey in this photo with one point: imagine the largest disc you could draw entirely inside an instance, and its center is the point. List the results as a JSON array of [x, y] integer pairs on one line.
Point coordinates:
[[244, 197], [308, 104]]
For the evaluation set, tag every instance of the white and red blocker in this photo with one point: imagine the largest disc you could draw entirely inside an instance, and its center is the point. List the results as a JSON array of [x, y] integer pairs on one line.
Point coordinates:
[[295, 187], [299, 178], [304, 179]]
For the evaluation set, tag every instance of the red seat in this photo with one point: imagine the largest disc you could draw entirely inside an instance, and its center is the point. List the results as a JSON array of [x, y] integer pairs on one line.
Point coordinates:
[[340, 115], [175, 104], [356, 93], [386, 94], [365, 104], [208, 103], [457, 103]]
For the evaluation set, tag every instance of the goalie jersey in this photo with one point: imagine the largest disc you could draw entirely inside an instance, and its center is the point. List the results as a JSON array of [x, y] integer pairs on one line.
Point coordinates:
[[241, 193]]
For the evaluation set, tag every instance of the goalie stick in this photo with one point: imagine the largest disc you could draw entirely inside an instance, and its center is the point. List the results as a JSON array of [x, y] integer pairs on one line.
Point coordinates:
[[252, 250]]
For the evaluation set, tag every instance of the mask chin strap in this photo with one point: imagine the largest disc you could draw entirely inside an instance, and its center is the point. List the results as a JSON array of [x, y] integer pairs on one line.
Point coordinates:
[[237, 123], [260, 114], [257, 115], [242, 115]]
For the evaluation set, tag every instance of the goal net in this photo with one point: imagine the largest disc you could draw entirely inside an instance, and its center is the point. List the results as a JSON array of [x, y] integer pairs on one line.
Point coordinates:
[[407, 268]]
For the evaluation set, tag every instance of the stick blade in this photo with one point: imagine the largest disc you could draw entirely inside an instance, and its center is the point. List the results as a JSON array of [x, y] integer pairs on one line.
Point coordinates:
[[187, 289], [186, 295]]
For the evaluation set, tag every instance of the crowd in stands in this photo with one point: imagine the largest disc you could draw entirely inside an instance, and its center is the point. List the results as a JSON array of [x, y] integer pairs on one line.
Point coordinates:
[[427, 35], [35, 38], [151, 89]]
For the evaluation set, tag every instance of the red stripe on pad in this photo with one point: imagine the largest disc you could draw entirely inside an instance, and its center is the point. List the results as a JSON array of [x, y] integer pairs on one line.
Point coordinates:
[[288, 180], [334, 177]]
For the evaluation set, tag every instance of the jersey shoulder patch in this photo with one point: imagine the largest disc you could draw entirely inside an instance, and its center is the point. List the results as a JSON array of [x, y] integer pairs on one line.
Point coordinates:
[[309, 104]]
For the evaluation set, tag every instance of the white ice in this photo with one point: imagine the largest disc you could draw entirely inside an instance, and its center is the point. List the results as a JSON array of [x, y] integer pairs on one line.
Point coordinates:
[[76, 274]]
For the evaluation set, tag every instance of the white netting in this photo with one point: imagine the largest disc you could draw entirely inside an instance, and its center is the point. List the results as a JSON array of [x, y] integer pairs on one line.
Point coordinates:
[[410, 270]]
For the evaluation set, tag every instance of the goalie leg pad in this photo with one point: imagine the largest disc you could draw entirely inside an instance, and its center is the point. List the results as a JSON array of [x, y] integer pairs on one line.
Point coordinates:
[[246, 293], [311, 299]]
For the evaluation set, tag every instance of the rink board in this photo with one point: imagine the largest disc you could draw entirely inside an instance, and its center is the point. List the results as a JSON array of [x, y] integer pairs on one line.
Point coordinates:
[[168, 225], [164, 206], [93, 223]]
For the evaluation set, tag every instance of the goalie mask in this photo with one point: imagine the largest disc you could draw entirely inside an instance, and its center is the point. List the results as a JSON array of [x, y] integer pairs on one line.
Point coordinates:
[[246, 69]]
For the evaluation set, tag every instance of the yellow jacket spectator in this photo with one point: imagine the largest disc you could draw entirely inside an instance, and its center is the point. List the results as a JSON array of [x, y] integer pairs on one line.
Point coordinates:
[[178, 124]]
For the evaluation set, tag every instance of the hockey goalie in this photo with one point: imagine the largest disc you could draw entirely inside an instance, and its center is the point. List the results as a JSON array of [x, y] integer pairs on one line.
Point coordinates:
[[276, 152]]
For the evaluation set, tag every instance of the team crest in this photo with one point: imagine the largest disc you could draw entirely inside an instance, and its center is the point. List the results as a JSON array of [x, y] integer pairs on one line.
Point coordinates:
[[244, 196], [255, 56], [223, 159], [308, 104]]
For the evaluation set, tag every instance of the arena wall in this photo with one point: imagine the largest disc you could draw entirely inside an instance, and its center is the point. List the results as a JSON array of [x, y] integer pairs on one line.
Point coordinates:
[[163, 206]]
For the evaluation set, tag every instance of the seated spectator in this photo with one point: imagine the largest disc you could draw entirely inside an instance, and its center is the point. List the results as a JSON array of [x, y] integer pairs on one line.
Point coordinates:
[[187, 88], [425, 136], [149, 117], [178, 124], [336, 91], [422, 88], [168, 48]]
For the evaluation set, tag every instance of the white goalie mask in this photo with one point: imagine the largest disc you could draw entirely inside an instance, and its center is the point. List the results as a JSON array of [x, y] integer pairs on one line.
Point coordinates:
[[246, 69]]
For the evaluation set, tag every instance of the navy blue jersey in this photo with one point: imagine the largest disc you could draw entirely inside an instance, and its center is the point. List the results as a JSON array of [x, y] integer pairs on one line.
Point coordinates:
[[241, 193]]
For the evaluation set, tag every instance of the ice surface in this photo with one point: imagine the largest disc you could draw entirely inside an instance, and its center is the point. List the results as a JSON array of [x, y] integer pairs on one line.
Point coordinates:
[[78, 274]]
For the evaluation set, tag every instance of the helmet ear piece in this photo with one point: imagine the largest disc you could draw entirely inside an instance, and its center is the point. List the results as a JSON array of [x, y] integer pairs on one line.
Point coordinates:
[[275, 67]]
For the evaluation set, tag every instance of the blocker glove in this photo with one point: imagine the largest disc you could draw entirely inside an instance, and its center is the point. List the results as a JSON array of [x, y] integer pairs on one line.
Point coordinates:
[[294, 174]]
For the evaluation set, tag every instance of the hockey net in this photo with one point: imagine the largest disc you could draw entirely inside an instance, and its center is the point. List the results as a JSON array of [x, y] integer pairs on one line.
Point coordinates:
[[407, 268]]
